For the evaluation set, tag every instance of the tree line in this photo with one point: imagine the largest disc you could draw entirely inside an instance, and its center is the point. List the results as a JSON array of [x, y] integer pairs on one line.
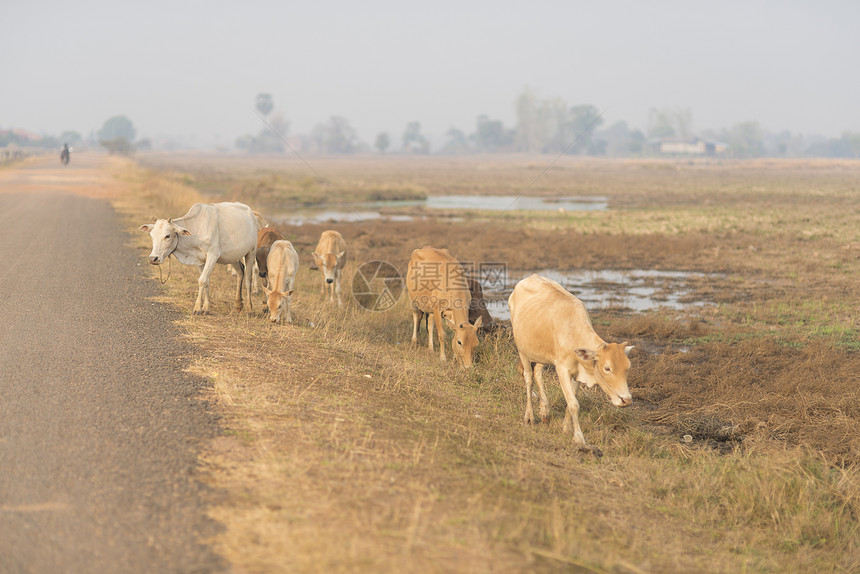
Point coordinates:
[[541, 126], [548, 126]]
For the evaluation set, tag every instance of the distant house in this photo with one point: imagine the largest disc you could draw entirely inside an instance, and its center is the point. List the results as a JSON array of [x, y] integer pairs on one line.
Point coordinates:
[[694, 146]]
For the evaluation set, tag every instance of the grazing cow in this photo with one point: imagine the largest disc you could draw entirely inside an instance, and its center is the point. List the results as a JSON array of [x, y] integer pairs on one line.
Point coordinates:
[[551, 326], [265, 237], [208, 234], [478, 306], [261, 223], [283, 263], [330, 257], [437, 286]]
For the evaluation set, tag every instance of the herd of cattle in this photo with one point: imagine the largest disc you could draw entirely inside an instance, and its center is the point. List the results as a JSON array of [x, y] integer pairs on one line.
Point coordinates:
[[550, 326]]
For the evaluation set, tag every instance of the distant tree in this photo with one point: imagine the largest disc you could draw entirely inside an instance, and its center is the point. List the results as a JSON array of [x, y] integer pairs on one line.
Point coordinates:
[[413, 140], [340, 137], [668, 122], [70, 137], [382, 142], [117, 135], [537, 121], [456, 143], [269, 139], [144, 145], [117, 127], [264, 104], [620, 140], [117, 146], [851, 141], [582, 122], [490, 135], [846, 146], [574, 131], [551, 126], [266, 142], [746, 139]]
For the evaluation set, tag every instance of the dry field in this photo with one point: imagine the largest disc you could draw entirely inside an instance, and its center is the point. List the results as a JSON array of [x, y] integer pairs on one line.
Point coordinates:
[[345, 449]]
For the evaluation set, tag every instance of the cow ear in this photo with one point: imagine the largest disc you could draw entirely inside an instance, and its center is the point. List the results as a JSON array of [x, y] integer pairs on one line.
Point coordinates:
[[628, 348], [181, 230], [479, 322], [448, 316], [585, 354], [341, 254], [290, 292], [267, 289], [317, 257], [146, 227]]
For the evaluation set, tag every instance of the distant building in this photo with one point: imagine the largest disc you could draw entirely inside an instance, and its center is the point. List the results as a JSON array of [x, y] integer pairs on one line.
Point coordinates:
[[694, 146]]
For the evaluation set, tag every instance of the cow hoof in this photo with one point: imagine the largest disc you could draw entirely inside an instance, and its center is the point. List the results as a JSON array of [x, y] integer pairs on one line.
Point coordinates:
[[544, 419], [588, 449]]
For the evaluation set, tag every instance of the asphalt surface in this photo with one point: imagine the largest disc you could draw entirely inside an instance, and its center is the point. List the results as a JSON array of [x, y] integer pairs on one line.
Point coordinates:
[[99, 425]]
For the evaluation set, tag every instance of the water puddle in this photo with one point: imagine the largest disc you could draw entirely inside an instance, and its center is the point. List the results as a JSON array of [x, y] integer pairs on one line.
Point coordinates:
[[410, 210], [634, 290]]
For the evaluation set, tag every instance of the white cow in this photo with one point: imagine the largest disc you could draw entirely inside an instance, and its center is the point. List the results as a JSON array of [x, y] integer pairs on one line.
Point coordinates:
[[282, 264], [208, 234], [551, 326]]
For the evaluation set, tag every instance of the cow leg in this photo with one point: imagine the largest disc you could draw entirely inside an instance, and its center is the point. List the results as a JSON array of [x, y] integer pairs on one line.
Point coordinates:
[[198, 304], [337, 288], [430, 328], [240, 279], [529, 417], [544, 402], [569, 388], [416, 320], [201, 306], [250, 276], [437, 317], [256, 279]]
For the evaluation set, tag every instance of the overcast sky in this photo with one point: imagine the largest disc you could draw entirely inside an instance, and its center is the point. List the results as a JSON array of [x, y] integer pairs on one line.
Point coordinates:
[[193, 69]]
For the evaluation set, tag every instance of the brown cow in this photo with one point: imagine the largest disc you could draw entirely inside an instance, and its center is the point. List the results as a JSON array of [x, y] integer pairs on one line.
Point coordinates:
[[437, 286], [283, 264], [265, 237], [330, 257], [551, 326], [478, 306]]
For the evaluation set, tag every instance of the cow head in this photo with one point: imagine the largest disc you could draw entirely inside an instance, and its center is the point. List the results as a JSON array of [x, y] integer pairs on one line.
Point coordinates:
[[609, 365], [263, 261], [465, 341], [165, 237], [276, 301], [328, 263]]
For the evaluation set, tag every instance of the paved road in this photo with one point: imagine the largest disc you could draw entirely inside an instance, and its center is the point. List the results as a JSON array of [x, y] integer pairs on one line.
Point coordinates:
[[99, 426]]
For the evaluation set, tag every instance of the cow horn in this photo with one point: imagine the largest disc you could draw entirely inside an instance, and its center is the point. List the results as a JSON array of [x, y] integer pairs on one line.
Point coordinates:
[[169, 220]]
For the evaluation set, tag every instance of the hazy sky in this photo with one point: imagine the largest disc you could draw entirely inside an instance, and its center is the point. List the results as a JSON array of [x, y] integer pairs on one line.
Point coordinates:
[[193, 69]]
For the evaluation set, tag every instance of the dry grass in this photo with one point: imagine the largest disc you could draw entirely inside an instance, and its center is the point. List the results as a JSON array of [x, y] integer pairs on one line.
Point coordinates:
[[346, 449]]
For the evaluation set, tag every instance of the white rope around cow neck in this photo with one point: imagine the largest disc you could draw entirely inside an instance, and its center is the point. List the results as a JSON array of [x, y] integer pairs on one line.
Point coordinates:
[[169, 269]]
